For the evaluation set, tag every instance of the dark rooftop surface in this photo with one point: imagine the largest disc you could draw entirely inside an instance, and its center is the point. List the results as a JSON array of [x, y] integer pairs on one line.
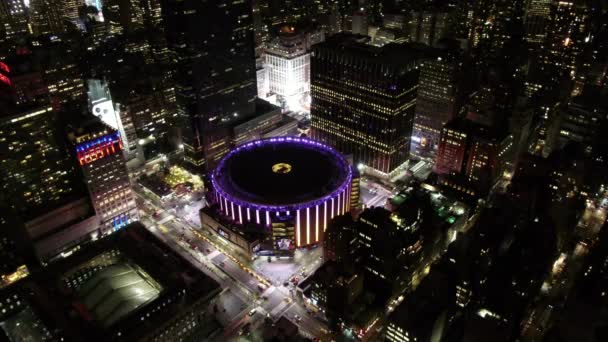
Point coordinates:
[[281, 173], [100, 292]]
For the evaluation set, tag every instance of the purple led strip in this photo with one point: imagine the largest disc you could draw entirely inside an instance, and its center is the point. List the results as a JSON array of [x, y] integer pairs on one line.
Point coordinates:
[[276, 208]]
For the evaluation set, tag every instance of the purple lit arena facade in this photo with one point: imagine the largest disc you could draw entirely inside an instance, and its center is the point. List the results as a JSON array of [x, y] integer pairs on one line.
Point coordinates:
[[309, 212]]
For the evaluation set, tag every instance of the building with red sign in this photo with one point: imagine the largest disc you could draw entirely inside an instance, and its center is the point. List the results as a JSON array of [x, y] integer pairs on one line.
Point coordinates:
[[99, 153]]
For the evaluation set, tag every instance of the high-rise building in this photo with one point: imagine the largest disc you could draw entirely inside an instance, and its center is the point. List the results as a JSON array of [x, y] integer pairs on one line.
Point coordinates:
[[98, 149], [46, 17], [69, 9], [472, 156], [37, 173], [124, 16], [61, 71], [287, 63], [363, 99], [435, 102], [393, 247], [40, 180], [102, 106], [536, 19], [566, 35], [427, 27], [14, 19], [582, 119], [216, 74]]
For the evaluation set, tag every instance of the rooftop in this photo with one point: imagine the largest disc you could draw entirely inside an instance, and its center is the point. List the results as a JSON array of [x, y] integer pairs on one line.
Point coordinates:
[[281, 172], [116, 291], [121, 287]]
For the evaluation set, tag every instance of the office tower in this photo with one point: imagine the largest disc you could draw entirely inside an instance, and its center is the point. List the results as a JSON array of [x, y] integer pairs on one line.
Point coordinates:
[[566, 34], [98, 149], [435, 101], [69, 9], [427, 27], [24, 83], [544, 132], [46, 17], [40, 180], [536, 18], [61, 71], [14, 19], [364, 107], [216, 74], [102, 106], [124, 16], [152, 13], [144, 100], [393, 247], [472, 156], [37, 173], [287, 63], [582, 119]]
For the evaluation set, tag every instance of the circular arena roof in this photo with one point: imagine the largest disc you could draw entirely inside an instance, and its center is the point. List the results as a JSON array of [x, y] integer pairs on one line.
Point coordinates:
[[278, 173]]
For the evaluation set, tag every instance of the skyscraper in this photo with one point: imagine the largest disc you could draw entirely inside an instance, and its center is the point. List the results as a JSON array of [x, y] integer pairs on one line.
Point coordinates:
[[288, 66], [472, 156], [535, 20], [98, 150], [427, 27], [46, 17], [435, 102], [566, 34], [363, 99], [216, 75], [13, 19], [36, 173]]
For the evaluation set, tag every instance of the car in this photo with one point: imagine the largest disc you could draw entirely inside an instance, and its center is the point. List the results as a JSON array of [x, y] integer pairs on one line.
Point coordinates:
[[252, 312], [297, 318]]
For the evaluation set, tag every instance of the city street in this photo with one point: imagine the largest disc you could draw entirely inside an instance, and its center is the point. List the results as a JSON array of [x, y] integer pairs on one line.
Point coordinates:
[[244, 288]]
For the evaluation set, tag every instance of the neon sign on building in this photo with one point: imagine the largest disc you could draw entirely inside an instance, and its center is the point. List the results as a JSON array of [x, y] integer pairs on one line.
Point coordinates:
[[4, 67], [99, 148], [5, 79]]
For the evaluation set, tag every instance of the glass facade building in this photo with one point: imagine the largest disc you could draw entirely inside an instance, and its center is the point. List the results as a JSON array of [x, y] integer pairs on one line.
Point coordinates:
[[363, 99]]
